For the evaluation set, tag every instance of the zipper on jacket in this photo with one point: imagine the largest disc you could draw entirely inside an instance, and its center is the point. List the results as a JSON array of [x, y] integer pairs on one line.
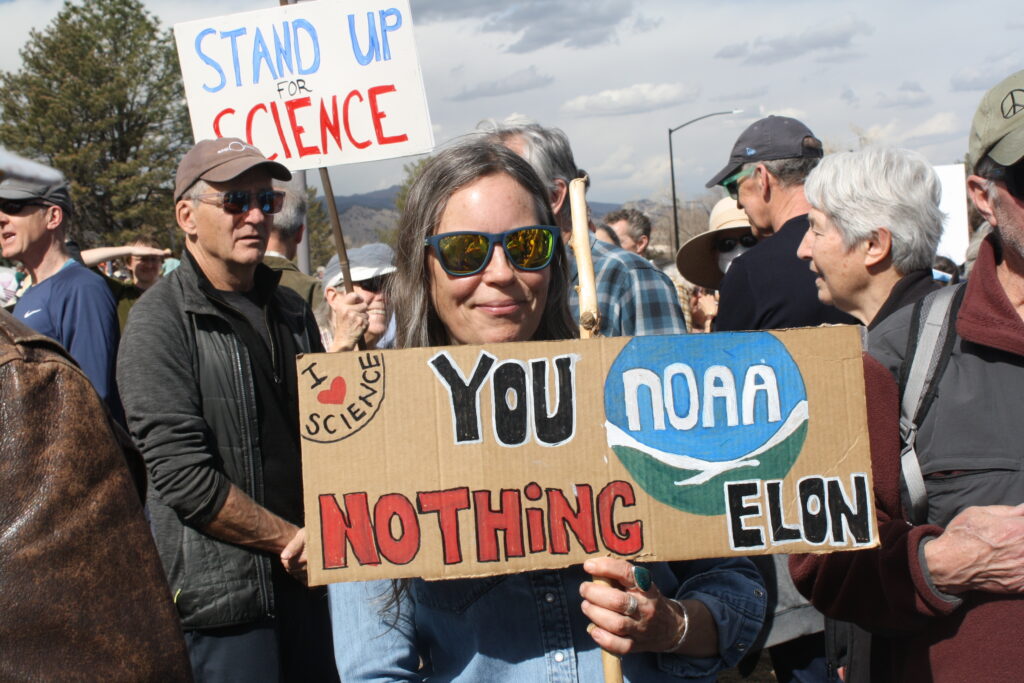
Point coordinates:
[[266, 589]]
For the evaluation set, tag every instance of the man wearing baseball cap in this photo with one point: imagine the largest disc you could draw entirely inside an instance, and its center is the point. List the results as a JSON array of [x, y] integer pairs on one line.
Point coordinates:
[[943, 593], [207, 366], [66, 302], [769, 287]]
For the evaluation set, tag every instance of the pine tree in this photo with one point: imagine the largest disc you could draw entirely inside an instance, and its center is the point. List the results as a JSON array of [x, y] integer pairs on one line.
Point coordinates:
[[99, 96], [318, 227]]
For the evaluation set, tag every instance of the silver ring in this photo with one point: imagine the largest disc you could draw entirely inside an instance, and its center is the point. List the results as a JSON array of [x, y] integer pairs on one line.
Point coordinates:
[[633, 606]]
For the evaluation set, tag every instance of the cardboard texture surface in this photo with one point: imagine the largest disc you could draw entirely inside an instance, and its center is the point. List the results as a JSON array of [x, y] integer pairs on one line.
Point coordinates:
[[470, 461]]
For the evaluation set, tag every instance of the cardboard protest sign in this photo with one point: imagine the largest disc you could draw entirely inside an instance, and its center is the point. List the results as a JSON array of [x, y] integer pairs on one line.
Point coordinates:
[[311, 85], [476, 460]]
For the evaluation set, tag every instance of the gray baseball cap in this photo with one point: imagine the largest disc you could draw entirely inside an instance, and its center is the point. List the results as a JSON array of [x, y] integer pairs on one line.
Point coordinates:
[[54, 192], [998, 126], [773, 137]]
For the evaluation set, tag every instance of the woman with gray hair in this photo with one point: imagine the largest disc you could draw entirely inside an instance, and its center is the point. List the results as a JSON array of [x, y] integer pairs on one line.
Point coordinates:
[[478, 263], [875, 223], [365, 312]]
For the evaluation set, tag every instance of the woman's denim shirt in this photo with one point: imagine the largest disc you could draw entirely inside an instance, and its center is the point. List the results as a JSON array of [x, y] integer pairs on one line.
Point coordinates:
[[528, 627]]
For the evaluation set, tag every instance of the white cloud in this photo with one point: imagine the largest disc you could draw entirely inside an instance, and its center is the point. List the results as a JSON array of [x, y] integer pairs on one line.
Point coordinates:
[[791, 112], [743, 95], [635, 99], [987, 73], [836, 36], [520, 81], [939, 126], [908, 95]]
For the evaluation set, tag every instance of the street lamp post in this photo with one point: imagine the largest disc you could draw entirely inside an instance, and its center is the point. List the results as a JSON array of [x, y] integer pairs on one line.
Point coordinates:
[[672, 169]]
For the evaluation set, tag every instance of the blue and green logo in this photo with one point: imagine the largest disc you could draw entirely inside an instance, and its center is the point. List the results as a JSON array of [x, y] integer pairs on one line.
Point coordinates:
[[686, 414]]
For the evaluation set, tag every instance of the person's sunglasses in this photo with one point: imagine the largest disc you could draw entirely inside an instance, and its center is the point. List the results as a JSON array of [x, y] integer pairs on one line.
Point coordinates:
[[468, 253], [236, 202], [374, 284], [1013, 177], [727, 244], [732, 183], [14, 207]]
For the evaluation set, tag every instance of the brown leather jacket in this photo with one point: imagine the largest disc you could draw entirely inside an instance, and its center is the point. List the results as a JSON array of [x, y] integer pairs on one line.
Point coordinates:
[[82, 592]]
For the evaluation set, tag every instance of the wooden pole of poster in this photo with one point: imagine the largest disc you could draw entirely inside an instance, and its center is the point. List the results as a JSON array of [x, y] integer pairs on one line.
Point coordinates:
[[590, 324], [339, 239], [590, 315]]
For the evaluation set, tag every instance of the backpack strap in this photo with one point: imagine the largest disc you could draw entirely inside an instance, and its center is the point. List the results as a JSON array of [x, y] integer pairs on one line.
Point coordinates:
[[929, 346]]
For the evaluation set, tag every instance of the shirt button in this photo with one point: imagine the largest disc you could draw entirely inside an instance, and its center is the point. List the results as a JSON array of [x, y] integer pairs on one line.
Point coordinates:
[[559, 657], [550, 597], [741, 646]]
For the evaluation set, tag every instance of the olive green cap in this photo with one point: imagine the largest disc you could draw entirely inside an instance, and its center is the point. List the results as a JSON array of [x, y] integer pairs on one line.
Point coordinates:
[[998, 126]]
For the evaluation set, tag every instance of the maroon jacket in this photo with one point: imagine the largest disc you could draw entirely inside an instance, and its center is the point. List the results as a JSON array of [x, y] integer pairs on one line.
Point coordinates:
[[921, 634], [82, 592]]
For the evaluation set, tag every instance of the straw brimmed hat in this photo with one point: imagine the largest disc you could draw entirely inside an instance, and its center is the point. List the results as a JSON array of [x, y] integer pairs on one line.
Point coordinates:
[[697, 260]]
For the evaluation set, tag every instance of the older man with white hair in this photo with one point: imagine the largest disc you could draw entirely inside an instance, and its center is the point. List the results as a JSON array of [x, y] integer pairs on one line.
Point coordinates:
[[874, 225]]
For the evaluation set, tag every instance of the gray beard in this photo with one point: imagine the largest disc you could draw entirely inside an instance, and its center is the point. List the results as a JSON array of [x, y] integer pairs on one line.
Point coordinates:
[[1011, 235]]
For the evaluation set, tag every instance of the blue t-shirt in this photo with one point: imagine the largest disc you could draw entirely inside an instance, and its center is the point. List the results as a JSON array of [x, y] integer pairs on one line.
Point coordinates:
[[75, 307]]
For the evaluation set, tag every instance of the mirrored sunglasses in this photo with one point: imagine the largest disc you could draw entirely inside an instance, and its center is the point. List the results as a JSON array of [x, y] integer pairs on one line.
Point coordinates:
[[467, 253], [727, 244], [14, 207], [236, 202], [732, 183]]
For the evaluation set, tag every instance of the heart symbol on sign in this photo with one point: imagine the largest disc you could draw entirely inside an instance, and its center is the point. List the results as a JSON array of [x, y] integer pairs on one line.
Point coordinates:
[[336, 394]]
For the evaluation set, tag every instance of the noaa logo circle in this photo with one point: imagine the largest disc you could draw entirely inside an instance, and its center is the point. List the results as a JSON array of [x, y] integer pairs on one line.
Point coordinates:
[[686, 415]]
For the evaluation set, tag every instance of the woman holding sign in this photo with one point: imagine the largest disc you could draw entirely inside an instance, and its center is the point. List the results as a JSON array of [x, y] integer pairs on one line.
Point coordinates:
[[478, 264]]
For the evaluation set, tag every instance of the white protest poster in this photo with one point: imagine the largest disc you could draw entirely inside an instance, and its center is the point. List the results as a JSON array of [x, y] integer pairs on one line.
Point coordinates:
[[956, 235], [311, 85]]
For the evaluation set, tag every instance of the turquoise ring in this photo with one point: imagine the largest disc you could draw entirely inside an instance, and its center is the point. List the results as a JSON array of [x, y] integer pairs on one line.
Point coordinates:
[[642, 578]]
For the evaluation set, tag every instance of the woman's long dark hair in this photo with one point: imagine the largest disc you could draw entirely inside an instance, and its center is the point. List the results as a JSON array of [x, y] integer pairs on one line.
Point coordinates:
[[452, 169], [416, 320]]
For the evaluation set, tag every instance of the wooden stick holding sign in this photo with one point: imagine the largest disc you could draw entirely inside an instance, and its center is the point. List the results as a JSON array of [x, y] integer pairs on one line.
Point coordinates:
[[590, 324], [339, 238], [590, 315]]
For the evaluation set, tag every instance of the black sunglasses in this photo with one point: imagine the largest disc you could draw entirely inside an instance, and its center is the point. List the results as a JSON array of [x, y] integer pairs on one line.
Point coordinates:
[[1012, 177], [374, 284], [727, 244], [467, 253], [14, 207], [236, 202]]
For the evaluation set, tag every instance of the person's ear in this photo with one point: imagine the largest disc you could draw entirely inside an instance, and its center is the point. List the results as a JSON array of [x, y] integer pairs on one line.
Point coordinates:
[[877, 247], [978, 193], [641, 244], [299, 233], [764, 181], [184, 213], [559, 195]]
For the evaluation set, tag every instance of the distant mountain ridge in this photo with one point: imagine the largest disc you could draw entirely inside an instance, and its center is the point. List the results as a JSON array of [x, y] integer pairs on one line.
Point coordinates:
[[384, 200]]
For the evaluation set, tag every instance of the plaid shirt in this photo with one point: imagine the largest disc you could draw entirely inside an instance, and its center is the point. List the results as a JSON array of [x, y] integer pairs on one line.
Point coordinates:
[[633, 296]]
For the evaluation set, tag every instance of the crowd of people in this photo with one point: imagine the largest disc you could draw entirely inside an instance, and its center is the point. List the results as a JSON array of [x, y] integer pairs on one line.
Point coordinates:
[[150, 453]]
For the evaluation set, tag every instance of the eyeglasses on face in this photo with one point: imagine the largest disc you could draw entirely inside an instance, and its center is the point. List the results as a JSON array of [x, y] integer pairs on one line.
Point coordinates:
[[14, 207], [374, 284], [467, 253], [236, 202], [1012, 177], [732, 183], [727, 244]]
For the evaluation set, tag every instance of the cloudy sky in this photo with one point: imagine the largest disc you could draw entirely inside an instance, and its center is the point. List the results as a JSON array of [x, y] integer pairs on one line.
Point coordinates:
[[617, 74]]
